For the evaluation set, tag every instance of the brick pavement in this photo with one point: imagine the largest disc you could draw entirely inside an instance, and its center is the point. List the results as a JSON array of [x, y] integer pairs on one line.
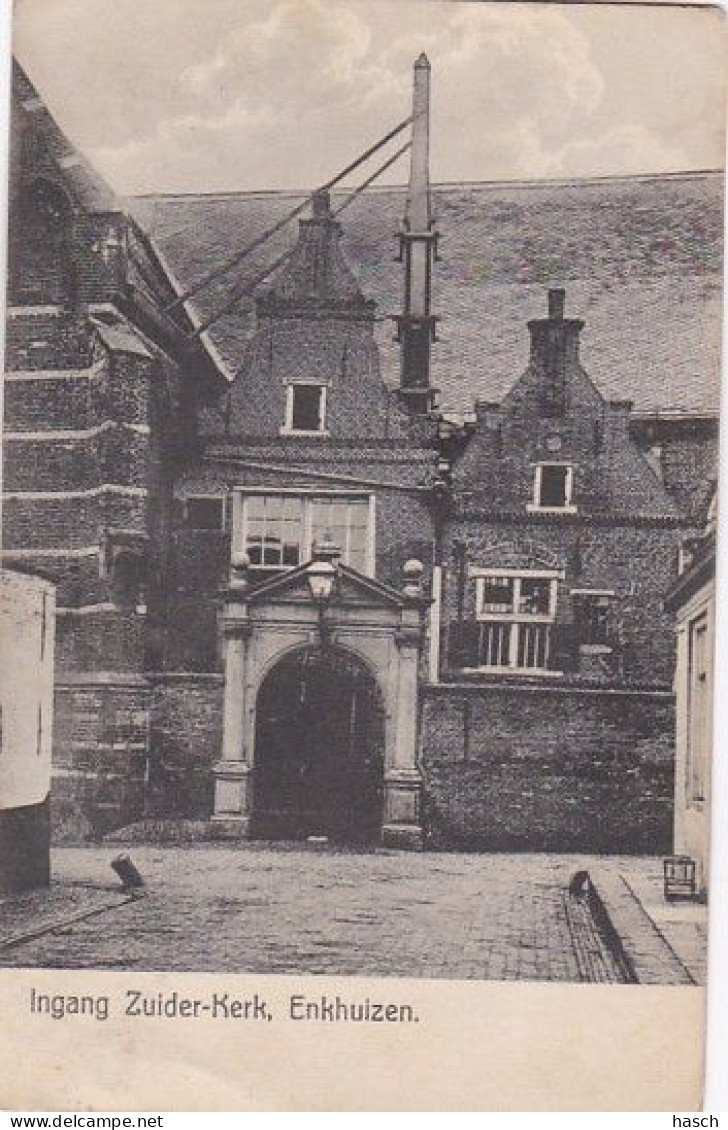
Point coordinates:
[[30, 913], [293, 909]]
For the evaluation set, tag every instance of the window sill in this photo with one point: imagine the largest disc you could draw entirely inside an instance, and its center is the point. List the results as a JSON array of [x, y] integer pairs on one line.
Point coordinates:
[[321, 433], [522, 621], [533, 508], [536, 672], [272, 569]]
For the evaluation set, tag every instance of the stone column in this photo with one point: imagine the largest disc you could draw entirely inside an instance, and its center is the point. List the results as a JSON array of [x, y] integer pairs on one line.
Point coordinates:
[[402, 778], [233, 773]]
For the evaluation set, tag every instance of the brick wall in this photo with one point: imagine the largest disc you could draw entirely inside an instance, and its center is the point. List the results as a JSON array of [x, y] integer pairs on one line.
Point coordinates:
[[186, 743], [65, 245], [62, 400], [635, 562], [618, 532], [93, 510], [198, 567], [100, 747], [133, 748], [314, 325], [611, 477], [514, 769], [111, 639], [47, 341], [199, 560], [690, 464], [70, 521]]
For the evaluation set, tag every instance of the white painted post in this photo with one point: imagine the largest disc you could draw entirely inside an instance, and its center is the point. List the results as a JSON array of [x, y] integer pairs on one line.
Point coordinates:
[[435, 625]]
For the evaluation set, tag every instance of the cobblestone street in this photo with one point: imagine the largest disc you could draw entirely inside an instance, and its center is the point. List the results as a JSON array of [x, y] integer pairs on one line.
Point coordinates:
[[294, 909]]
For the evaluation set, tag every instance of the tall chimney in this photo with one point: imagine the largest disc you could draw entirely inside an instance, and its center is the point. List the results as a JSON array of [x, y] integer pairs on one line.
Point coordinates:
[[418, 239], [554, 348]]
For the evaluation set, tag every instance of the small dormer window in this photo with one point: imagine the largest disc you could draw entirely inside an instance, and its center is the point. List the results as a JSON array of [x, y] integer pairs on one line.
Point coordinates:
[[552, 488], [306, 409]]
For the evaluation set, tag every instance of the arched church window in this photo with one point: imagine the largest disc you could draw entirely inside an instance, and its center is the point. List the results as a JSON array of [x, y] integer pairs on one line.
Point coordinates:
[[41, 266]]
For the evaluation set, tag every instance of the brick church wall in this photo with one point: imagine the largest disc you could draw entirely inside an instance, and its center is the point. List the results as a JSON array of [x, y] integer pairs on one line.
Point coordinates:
[[88, 504], [100, 754]]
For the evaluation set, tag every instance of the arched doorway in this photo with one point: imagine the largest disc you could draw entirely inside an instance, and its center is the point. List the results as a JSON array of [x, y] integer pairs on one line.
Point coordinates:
[[319, 746]]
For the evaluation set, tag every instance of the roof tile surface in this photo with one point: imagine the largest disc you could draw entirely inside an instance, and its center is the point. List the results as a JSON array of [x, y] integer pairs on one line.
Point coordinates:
[[641, 260]]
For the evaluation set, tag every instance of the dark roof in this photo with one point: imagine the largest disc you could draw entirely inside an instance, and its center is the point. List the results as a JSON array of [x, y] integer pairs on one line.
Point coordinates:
[[640, 257]]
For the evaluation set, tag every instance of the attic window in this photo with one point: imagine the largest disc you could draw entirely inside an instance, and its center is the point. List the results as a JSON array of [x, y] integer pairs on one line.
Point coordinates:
[[552, 488], [305, 408]]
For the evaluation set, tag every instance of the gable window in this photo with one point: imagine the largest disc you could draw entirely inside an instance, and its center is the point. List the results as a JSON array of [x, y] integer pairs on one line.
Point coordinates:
[[205, 512], [516, 612], [279, 530], [305, 408], [552, 488]]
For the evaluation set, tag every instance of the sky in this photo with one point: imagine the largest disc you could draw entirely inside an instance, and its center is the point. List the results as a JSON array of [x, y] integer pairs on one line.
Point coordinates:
[[226, 95]]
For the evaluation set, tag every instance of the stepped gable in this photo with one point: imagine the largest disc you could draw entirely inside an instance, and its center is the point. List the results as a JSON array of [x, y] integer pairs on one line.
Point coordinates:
[[555, 414]]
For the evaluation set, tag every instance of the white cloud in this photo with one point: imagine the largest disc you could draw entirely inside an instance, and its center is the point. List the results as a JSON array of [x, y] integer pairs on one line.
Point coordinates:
[[629, 148], [180, 95]]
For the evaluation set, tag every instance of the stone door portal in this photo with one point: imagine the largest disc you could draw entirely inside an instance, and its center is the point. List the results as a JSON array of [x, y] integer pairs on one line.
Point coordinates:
[[319, 749]]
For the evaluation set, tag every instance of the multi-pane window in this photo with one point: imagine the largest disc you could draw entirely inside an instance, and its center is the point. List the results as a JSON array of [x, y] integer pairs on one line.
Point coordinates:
[[516, 612], [279, 531], [552, 487], [274, 528], [346, 521], [305, 408]]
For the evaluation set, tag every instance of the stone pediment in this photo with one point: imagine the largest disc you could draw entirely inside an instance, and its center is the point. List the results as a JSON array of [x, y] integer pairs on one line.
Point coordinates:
[[351, 588]]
